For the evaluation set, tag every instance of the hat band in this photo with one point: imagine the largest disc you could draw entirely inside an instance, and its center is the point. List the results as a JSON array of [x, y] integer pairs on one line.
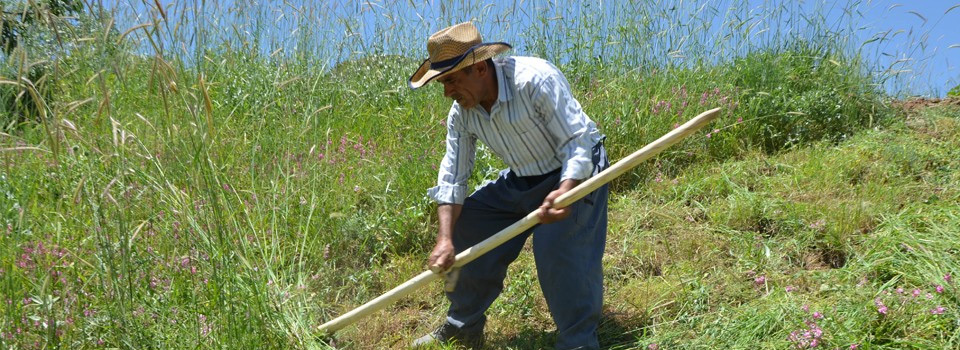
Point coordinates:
[[441, 65], [450, 62]]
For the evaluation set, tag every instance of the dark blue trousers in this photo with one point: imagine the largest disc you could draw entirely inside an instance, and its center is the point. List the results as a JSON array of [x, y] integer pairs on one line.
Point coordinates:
[[568, 254]]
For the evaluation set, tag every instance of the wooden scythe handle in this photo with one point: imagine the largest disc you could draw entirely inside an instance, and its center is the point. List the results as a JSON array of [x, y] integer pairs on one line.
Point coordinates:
[[527, 222]]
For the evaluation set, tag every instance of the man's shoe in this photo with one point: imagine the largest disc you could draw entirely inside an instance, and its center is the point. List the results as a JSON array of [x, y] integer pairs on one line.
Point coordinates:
[[447, 334]]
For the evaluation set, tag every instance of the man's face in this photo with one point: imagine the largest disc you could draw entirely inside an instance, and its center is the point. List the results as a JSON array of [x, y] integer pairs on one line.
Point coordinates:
[[463, 86]]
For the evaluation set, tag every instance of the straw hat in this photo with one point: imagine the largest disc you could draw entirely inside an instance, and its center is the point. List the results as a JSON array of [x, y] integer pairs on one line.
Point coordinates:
[[454, 48]]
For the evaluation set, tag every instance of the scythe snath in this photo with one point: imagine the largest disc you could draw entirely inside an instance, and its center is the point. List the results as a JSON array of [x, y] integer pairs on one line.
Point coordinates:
[[526, 223]]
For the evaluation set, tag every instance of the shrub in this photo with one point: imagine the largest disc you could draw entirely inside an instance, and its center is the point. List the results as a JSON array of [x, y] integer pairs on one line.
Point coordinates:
[[955, 92], [800, 95]]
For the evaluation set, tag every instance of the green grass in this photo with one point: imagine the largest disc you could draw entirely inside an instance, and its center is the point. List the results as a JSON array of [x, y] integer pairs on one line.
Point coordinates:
[[837, 224], [830, 228], [227, 198]]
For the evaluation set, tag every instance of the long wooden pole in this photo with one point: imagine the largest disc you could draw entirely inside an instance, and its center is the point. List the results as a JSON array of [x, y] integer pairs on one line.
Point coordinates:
[[526, 223]]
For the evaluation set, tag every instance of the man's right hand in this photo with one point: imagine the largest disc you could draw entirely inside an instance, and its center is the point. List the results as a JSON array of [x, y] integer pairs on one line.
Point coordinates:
[[442, 257]]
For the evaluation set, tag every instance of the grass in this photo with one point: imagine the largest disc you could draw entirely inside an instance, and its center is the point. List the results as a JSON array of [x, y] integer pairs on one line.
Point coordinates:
[[742, 254], [188, 184]]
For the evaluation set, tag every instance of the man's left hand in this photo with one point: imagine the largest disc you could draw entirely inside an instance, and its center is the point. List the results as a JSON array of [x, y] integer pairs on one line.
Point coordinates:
[[548, 213]]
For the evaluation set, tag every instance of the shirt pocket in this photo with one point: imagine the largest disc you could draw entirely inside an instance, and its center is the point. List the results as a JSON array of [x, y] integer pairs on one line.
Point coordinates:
[[520, 121]]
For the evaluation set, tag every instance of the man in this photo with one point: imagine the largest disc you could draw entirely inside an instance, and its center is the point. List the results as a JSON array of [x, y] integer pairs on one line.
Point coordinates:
[[522, 109]]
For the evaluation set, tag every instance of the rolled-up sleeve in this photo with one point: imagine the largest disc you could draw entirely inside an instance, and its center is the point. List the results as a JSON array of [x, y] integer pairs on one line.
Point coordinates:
[[567, 124], [457, 163]]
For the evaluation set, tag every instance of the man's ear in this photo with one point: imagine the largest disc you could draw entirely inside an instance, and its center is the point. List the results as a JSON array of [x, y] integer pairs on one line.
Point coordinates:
[[481, 67]]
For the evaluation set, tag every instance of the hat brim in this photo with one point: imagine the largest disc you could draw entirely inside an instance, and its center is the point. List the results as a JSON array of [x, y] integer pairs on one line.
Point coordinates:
[[478, 53]]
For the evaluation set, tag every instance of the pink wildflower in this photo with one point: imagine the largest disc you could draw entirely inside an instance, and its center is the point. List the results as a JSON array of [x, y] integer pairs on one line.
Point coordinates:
[[939, 289], [817, 225], [760, 280], [653, 346], [916, 292], [938, 310], [946, 278], [854, 346], [806, 338], [881, 308], [204, 327], [817, 315]]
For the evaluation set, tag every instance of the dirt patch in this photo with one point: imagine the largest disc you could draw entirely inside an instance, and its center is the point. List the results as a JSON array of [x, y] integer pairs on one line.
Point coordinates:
[[823, 259], [913, 104], [618, 329]]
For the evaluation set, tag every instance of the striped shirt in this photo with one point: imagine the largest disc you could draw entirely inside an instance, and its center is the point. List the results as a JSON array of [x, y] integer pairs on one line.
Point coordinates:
[[535, 126]]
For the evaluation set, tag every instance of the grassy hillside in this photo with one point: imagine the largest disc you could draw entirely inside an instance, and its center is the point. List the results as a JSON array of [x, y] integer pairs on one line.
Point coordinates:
[[840, 244], [236, 195]]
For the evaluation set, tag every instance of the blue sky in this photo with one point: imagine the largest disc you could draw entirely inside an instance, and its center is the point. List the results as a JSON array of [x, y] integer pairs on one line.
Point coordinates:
[[920, 39], [927, 20]]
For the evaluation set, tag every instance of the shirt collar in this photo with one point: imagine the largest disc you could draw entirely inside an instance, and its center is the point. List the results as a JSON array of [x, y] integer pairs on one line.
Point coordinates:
[[504, 92]]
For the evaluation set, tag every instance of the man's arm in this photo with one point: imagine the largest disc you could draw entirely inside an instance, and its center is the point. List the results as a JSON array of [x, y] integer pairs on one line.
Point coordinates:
[[567, 122], [443, 255], [451, 190]]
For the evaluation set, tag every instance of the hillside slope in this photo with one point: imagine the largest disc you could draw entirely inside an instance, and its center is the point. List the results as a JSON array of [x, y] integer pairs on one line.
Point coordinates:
[[823, 246]]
